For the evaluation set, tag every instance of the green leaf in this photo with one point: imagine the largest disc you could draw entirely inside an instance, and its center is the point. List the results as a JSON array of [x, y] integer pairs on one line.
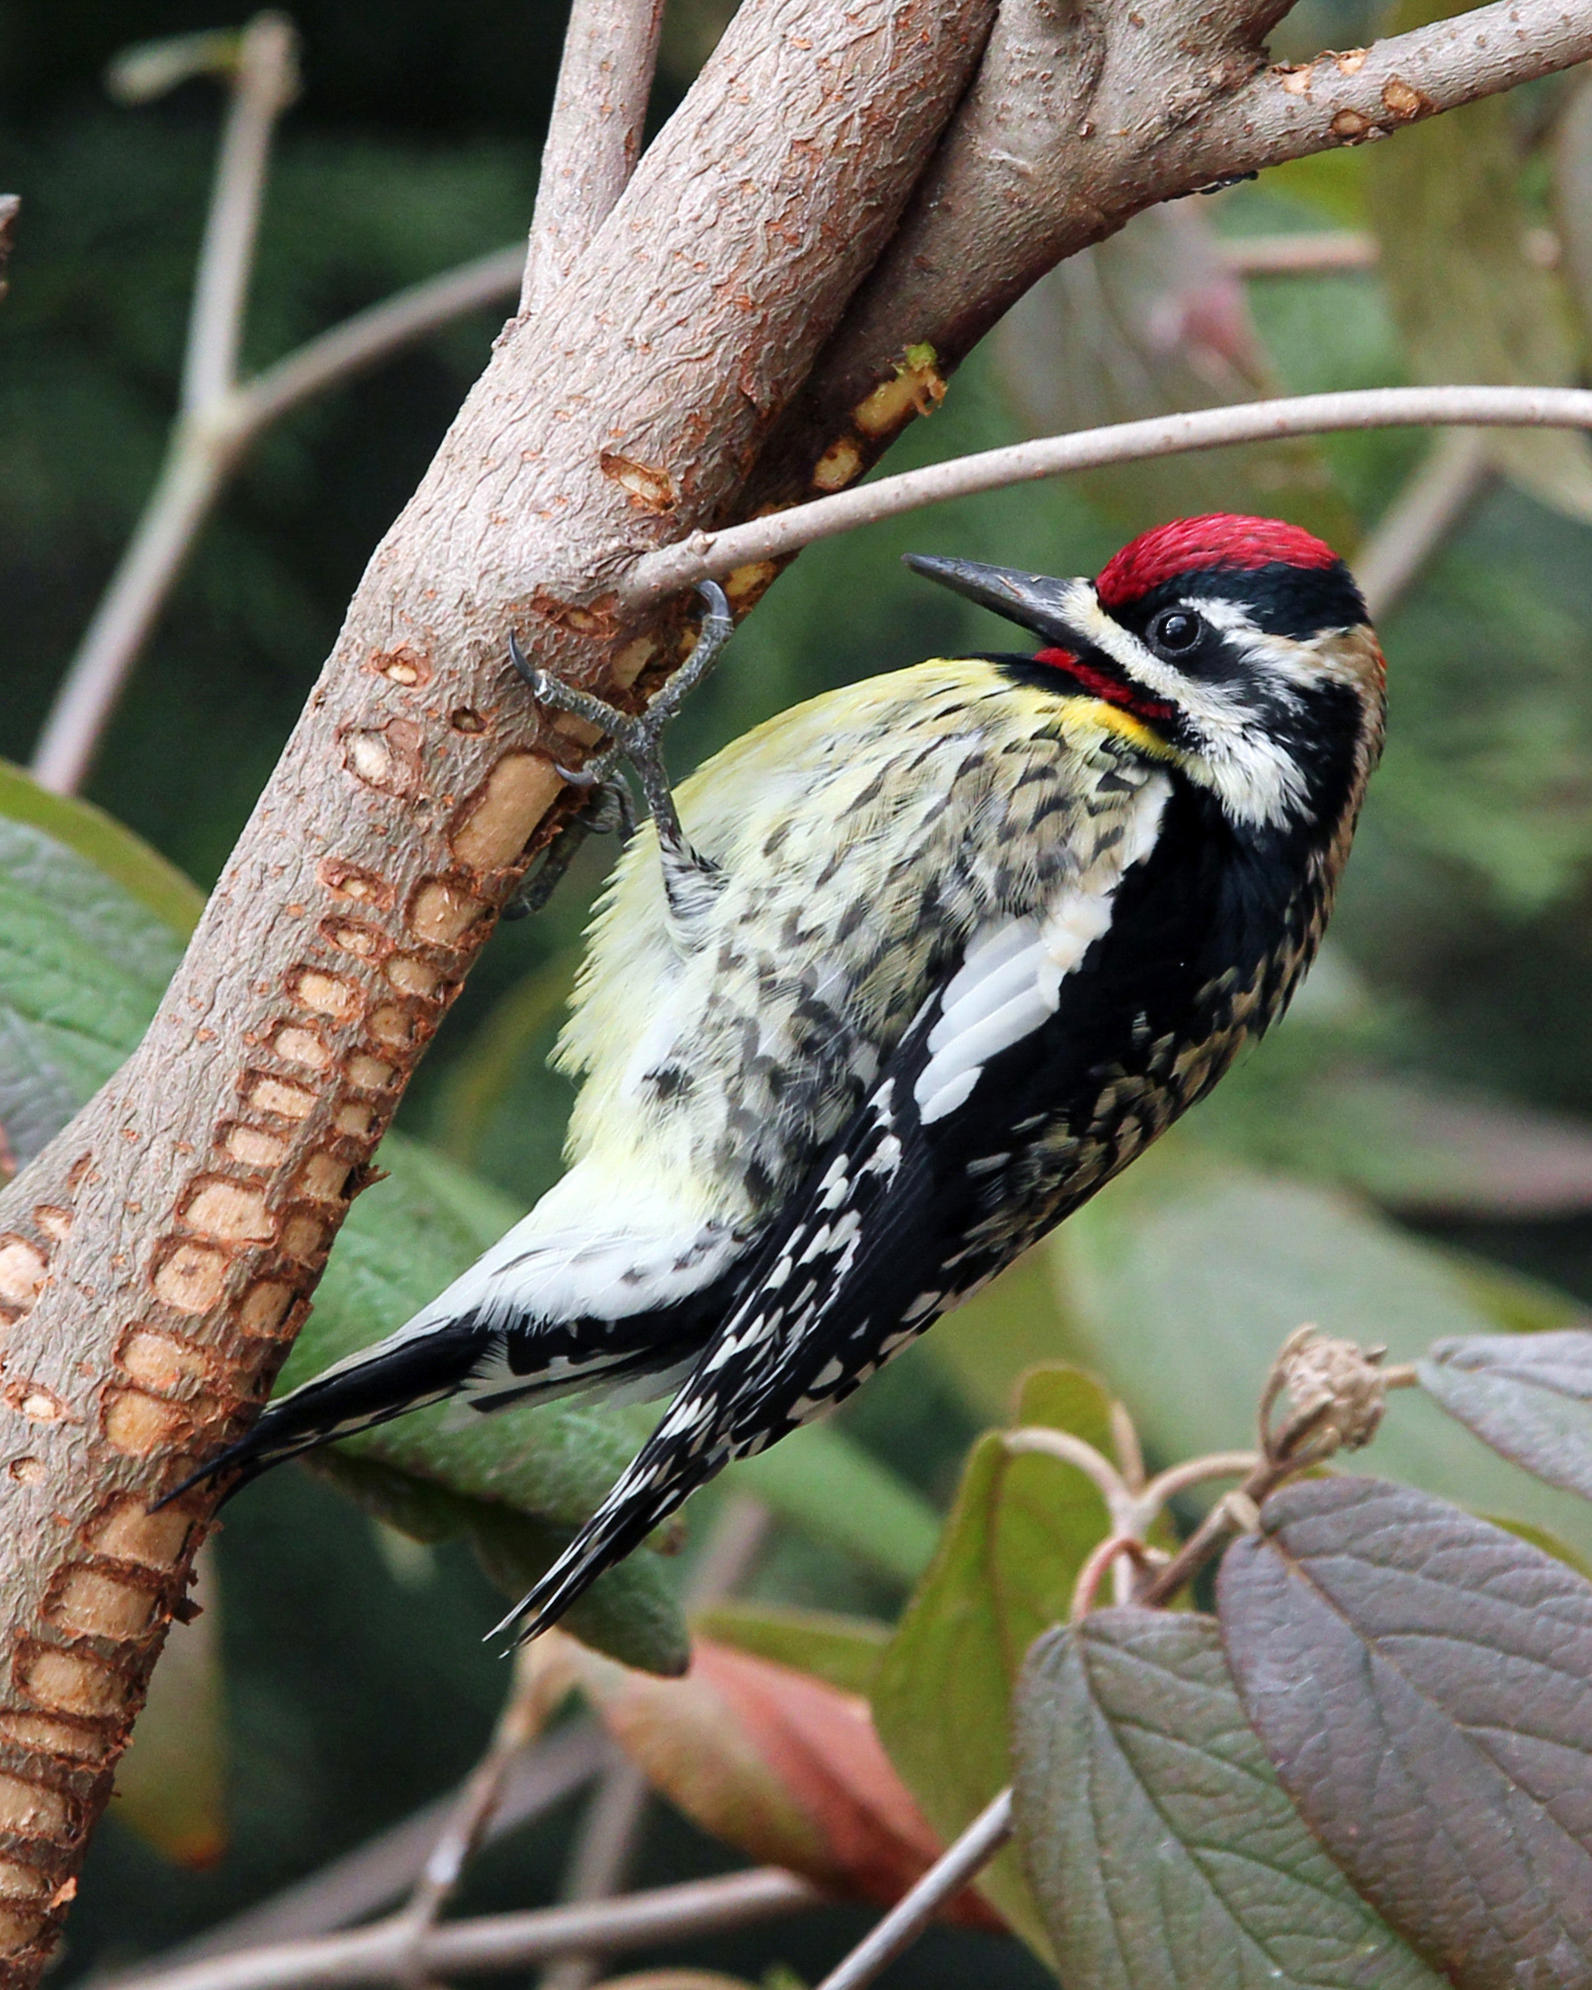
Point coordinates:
[[90, 931], [1018, 1535], [1180, 1282], [1471, 300], [842, 1651], [825, 1483], [1154, 1832], [90, 926], [1420, 1682]]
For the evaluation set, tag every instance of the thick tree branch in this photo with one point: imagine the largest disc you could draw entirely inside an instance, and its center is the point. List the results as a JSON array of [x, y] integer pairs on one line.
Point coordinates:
[[157, 1259], [706, 555], [594, 137], [1082, 116]]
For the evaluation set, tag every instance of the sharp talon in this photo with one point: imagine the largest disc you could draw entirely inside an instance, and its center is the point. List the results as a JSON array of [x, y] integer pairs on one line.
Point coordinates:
[[578, 777], [522, 663]]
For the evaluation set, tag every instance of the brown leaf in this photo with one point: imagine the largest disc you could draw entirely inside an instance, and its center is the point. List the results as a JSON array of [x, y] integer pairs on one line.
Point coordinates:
[[774, 1762]]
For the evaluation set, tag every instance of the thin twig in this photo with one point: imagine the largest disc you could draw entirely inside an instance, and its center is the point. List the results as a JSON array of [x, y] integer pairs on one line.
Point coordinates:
[[1325, 252], [264, 83], [501, 1941], [477, 1802], [606, 1845], [376, 1873], [946, 1878], [1426, 510], [1180, 1478], [594, 138], [369, 336], [1072, 1450], [76, 721], [206, 448], [714, 555]]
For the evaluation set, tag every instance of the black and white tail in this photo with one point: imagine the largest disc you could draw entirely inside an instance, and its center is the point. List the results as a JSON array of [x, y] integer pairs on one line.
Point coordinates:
[[397, 1375]]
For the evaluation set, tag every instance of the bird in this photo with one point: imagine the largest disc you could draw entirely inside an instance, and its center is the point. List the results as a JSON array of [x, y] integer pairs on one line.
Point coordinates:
[[891, 986]]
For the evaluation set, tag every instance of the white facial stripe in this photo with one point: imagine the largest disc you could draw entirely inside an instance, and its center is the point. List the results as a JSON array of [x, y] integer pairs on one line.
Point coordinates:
[[1252, 774]]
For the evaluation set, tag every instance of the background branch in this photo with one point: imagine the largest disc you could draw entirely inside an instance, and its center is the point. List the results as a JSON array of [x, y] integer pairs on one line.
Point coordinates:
[[265, 82], [501, 1941], [594, 137], [206, 447], [1082, 117]]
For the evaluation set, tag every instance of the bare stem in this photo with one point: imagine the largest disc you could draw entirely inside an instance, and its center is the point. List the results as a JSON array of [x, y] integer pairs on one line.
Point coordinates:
[[370, 336], [1180, 1478], [1423, 514], [594, 138], [1325, 252], [377, 1872], [155, 555], [205, 448], [264, 83], [1074, 1450], [713, 555], [500, 1941], [473, 1809], [912, 1913], [606, 1845]]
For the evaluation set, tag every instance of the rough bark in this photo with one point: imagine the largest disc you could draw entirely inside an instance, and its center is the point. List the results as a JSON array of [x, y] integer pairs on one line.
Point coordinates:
[[156, 1261]]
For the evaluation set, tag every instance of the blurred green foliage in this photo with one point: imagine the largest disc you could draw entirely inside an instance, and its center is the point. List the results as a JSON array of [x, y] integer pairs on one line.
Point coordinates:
[[354, 1684]]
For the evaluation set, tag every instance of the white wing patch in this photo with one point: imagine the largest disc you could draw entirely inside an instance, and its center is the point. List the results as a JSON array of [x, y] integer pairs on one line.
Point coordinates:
[[1009, 983]]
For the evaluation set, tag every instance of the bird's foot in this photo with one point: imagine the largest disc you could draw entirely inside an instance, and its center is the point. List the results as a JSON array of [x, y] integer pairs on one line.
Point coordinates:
[[610, 811], [639, 737]]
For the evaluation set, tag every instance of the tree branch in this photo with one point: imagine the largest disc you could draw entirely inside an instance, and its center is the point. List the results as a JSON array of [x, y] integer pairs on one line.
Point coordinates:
[[500, 1941], [265, 82], [205, 449], [710, 555], [1081, 117], [594, 138], [378, 1872], [946, 1878], [1428, 507], [157, 1259]]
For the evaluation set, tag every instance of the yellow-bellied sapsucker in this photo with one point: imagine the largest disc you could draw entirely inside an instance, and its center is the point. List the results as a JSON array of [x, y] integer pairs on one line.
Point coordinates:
[[925, 962]]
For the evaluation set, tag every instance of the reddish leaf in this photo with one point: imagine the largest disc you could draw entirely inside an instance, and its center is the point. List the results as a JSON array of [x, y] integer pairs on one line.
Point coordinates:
[[1422, 1682], [775, 1762]]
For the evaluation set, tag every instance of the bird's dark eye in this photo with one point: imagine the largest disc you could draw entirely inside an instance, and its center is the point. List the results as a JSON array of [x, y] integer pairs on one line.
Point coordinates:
[[1175, 632]]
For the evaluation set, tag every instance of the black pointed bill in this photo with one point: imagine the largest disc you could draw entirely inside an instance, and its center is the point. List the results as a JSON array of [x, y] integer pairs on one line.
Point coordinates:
[[1032, 601]]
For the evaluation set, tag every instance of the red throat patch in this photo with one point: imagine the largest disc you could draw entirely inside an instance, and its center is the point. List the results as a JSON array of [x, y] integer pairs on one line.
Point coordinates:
[[1105, 685], [1193, 545]]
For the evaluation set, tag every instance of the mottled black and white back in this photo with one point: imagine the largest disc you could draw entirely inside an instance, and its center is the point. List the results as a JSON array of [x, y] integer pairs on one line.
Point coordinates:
[[958, 942]]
